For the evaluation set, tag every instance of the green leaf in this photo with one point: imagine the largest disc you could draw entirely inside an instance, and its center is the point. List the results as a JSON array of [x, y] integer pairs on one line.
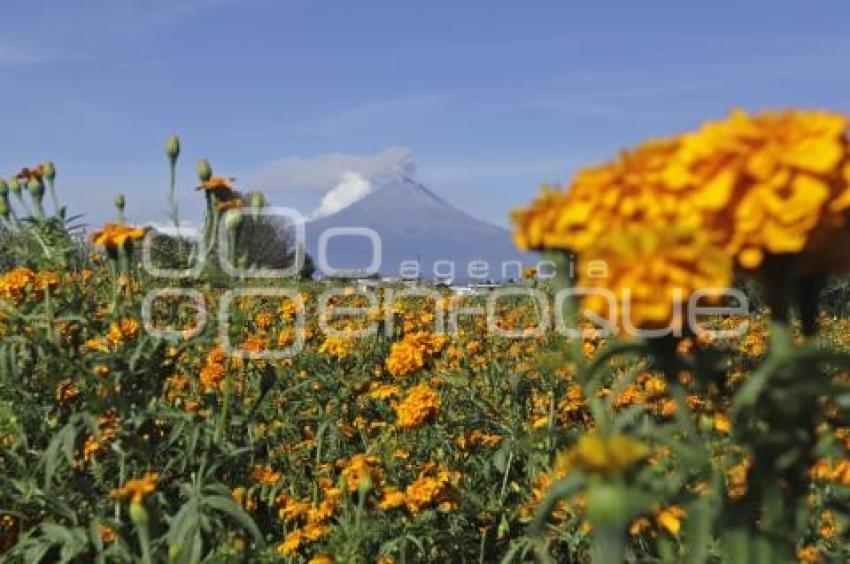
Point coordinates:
[[228, 506]]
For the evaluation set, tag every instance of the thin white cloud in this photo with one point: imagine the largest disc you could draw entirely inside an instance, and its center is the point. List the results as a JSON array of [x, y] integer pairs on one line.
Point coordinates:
[[16, 55], [324, 172], [476, 170], [398, 110], [72, 31]]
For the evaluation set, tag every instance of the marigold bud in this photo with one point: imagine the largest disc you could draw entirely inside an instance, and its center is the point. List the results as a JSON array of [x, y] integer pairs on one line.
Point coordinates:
[[173, 552], [706, 423], [138, 514], [607, 505], [172, 148], [204, 170], [36, 189], [4, 206], [258, 200], [4, 188], [49, 170], [233, 219], [120, 202]]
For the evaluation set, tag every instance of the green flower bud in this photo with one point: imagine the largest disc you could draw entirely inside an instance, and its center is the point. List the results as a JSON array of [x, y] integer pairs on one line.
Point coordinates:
[[120, 202], [173, 552], [15, 186], [4, 188], [607, 505], [49, 170], [36, 189], [204, 170], [138, 514], [364, 486], [258, 200], [172, 148], [5, 209], [233, 220]]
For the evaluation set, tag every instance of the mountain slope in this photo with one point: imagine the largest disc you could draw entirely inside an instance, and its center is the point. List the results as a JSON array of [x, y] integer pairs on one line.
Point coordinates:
[[414, 224]]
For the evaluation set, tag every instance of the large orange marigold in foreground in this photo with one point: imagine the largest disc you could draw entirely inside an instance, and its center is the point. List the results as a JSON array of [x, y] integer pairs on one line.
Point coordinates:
[[681, 213]]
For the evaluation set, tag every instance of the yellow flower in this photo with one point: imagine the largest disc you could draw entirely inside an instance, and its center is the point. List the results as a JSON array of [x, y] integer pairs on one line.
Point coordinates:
[[837, 471], [231, 203], [828, 524], [136, 490], [107, 533], [337, 347], [265, 475], [212, 377], [670, 518], [412, 353], [809, 555], [362, 471], [314, 531], [736, 480], [67, 391], [14, 284], [391, 498], [434, 486], [220, 187], [625, 192], [601, 455], [652, 273], [722, 423], [383, 391], [420, 405], [475, 438], [404, 359], [123, 330], [291, 543], [775, 183], [113, 236], [264, 320], [764, 183], [290, 509]]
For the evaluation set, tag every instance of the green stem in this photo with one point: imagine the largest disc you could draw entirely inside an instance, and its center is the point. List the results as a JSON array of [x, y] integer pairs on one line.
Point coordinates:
[[505, 477], [608, 546], [144, 542], [51, 188], [225, 400]]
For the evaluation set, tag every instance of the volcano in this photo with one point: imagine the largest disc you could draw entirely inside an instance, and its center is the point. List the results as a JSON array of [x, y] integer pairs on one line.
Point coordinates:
[[417, 227]]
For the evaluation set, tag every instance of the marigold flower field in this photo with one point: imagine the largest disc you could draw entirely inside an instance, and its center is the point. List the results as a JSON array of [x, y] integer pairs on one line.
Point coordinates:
[[414, 444]]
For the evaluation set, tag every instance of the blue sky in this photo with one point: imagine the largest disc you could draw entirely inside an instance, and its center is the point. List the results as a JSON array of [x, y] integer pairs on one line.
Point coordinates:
[[488, 98]]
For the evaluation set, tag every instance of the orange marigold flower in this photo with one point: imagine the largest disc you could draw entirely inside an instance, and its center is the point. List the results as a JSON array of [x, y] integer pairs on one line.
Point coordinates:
[[27, 174], [623, 193], [596, 454], [420, 405], [219, 187], [434, 486], [291, 543], [391, 498], [652, 274], [136, 490], [765, 182], [337, 347], [265, 475], [362, 471], [114, 236]]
